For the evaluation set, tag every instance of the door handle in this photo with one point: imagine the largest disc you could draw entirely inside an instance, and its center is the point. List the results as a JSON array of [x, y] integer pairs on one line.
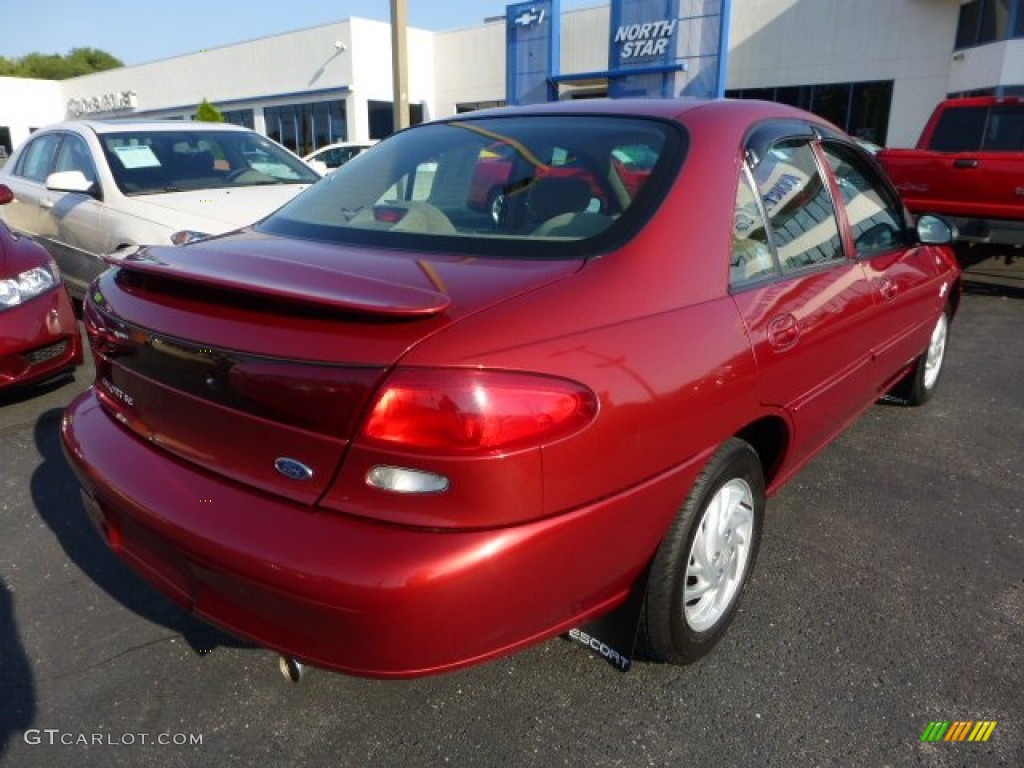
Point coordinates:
[[46, 203], [966, 162], [888, 288], [783, 331]]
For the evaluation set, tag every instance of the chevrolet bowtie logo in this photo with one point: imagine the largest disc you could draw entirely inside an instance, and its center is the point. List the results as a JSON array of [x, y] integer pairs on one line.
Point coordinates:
[[529, 18]]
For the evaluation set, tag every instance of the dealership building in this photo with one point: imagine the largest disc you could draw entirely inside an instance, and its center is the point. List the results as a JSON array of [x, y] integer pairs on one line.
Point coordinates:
[[875, 67]]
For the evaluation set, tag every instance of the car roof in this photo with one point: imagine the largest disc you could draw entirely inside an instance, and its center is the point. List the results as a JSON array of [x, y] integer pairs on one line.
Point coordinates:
[[666, 109], [981, 101], [119, 125]]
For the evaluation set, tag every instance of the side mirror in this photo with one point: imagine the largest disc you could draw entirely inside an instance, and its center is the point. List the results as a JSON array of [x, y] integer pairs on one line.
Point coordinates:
[[934, 230], [70, 181], [6, 195]]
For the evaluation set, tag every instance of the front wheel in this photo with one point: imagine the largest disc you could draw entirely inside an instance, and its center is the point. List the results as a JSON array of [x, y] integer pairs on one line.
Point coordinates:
[[920, 384], [706, 557]]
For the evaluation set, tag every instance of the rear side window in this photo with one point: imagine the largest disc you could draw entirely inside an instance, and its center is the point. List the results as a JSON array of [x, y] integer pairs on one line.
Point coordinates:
[[752, 257], [796, 199]]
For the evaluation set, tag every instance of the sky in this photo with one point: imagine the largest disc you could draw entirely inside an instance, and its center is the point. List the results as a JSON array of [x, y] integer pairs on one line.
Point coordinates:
[[137, 31]]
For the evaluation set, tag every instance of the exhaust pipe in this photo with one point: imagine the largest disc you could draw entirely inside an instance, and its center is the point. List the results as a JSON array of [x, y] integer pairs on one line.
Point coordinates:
[[291, 669]]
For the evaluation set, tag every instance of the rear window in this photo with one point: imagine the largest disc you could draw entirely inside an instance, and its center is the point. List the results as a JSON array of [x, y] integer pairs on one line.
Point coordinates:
[[523, 186]]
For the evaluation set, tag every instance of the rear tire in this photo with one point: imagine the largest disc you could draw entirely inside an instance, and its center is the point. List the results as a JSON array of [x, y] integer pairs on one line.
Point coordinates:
[[705, 559]]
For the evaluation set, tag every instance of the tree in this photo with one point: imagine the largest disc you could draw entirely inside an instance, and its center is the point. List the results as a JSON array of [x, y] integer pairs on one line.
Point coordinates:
[[207, 113], [53, 66], [86, 60]]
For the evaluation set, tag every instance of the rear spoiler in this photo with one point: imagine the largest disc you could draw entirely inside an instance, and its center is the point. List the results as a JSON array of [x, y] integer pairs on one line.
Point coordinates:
[[282, 280]]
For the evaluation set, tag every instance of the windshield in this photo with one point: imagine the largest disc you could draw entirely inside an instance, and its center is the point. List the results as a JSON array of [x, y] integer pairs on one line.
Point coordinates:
[[147, 162], [567, 185]]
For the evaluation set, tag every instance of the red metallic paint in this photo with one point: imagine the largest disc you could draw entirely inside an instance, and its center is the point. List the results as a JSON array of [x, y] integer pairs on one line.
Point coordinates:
[[353, 594], [524, 544], [40, 322]]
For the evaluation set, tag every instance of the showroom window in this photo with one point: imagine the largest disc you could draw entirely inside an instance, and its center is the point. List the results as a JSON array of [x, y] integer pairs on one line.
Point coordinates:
[[860, 109], [306, 127], [987, 21], [243, 117], [382, 118], [472, 106]]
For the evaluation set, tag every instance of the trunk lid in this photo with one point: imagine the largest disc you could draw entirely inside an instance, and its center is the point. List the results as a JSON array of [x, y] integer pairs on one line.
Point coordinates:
[[254, 356]]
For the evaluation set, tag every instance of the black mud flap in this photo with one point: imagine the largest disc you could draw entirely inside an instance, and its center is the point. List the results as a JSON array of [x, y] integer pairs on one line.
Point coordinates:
[[613, 635]]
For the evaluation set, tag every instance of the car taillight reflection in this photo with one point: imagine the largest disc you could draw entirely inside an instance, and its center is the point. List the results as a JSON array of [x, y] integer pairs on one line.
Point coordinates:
[[473, 412]]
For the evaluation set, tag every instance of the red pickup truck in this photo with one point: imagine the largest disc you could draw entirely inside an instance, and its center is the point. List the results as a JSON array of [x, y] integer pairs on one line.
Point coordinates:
[[968, 166]]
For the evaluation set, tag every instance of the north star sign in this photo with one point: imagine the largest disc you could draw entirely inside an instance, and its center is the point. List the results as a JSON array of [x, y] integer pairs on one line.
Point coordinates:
[[647, 39]]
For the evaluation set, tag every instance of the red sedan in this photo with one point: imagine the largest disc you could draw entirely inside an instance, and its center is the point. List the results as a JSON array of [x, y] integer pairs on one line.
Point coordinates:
[[387, 433], [38, 332]]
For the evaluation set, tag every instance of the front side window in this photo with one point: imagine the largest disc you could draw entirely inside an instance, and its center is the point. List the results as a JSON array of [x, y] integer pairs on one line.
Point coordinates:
[[874, 215], [36, 161], [566, 184], [796, 199], [959, 129], [74, 156]]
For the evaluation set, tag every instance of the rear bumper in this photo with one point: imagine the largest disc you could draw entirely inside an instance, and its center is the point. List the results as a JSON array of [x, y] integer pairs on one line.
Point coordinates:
[[38, 340], [351, 594]]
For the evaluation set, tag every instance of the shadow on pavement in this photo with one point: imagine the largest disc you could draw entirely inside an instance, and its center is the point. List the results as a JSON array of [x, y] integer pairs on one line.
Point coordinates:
[[992, 270], [986, 288], [33, 391], [18, 707], [55, 490]]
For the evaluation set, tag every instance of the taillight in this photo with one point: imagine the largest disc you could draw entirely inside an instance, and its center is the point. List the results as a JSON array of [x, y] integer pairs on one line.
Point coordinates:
[[473, 411], [106, 335]]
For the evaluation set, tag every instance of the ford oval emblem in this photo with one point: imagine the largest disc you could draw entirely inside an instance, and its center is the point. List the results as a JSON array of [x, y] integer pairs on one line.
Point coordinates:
[[292, 469]]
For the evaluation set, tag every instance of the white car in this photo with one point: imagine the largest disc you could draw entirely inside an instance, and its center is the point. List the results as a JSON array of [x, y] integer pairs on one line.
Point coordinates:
[[85, 189], [333, 156]]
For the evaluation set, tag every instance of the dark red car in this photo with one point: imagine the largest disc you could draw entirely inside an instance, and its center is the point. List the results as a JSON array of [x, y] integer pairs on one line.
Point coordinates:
[[383, 432], [39, 337]]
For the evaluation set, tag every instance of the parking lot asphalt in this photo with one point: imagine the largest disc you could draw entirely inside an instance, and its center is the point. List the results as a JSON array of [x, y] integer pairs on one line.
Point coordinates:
[[888, 594]]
